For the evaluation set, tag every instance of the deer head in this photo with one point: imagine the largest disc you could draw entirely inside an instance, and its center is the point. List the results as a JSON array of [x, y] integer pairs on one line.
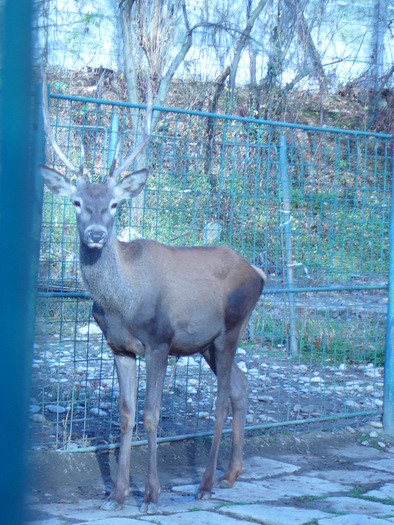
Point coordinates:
[[95, 204]]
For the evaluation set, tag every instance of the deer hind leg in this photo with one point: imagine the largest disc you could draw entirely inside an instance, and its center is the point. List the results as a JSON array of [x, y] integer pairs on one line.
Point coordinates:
[[127, 376], [223, 361], [239, 404], [238, 398], [156, 364]]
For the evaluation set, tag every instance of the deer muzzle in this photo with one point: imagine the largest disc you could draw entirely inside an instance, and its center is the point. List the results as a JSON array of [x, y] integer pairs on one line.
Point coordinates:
[[95, 238]]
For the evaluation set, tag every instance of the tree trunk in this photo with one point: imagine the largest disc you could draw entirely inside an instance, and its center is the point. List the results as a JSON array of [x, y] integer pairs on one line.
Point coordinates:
[[304, 34]]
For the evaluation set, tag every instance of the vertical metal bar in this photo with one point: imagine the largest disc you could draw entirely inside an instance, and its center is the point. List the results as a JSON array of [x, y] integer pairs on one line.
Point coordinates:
[[113, 141], [16, 233], [289, 268], [388, 407]]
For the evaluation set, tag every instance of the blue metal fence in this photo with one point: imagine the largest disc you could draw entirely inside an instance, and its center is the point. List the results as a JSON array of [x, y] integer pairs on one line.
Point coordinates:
[[311, 206]]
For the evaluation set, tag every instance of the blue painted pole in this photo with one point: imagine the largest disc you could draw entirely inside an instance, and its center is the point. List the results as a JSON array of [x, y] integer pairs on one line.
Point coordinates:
[[17, 198], [388, 407]]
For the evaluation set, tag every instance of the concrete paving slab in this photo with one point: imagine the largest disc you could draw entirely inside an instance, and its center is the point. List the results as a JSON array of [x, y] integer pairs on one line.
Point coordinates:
[[89, 510], [113, 521], [348, 505], [381, 464], [200, 517], [51, 521], [355, 451], [298, 486], [354, 519], [385, 492], [242, 492], [272, 490], [273, 515], [260, 468], [175, 502], [357, 477], [86, 510]]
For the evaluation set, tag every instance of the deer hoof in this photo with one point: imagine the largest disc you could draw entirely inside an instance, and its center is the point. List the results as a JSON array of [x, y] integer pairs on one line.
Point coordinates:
[[224, 484], [204, 494], [111, 504], [149, 508]]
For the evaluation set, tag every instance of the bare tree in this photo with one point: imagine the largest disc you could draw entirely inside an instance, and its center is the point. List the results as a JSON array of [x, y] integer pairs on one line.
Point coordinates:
[[230, 71], [377, 78], [152, 26]]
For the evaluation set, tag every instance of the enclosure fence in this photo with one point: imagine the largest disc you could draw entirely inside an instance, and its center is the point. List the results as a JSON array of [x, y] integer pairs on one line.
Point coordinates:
[[310, 206]]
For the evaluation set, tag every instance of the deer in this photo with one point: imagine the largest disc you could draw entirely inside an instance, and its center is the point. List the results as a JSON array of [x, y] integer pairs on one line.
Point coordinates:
[[153, 300]]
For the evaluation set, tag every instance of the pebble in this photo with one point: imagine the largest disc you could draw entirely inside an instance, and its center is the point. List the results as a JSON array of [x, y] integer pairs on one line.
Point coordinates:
[[71, 446], [91, 329], [55, 409], [381, 444], [38, 418], [98, 412], [265, 399], [203, 415], [243, 366], [317, 380], [351, 404], [373, 434], [376, 424]]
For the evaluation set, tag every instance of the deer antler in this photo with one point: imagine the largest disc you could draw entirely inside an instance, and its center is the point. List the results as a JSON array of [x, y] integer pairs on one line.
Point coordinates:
[[51, 136], [114, 172]]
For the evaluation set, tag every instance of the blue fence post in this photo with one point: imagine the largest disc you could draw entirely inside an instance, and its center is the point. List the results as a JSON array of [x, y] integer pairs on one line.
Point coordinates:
[[17, 292], [286, 224], [388, 407]]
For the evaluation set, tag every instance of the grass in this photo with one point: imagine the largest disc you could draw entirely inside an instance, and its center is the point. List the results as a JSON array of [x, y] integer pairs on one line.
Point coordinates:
[[325, 335], [359, 492]]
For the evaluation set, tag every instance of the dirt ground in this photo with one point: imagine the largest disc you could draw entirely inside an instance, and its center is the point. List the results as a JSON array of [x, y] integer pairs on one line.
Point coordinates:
[[58, 477]]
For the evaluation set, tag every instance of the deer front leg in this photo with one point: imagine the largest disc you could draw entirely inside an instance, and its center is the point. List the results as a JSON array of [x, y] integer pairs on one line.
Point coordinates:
[[156, 364], [127, 377]]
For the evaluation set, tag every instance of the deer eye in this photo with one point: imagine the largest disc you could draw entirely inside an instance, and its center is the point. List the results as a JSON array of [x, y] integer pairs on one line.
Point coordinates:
[[114, 205], [77, 203]]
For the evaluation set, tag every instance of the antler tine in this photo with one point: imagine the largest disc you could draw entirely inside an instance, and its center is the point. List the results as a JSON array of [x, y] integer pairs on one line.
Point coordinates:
[[145, 134], [82, 161], [49, 131]]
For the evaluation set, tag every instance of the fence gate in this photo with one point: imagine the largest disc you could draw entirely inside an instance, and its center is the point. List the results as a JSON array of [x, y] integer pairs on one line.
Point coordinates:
[[310, 206]]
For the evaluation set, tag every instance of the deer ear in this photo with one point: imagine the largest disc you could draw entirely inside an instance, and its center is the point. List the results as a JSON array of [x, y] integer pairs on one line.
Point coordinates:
[[57, 182], [131, 185]]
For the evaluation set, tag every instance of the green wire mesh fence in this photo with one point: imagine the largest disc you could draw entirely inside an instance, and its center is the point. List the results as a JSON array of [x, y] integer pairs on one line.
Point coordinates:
[[310, 206]]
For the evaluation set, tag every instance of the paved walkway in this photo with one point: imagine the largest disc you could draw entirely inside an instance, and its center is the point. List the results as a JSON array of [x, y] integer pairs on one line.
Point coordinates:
[[356, 489]]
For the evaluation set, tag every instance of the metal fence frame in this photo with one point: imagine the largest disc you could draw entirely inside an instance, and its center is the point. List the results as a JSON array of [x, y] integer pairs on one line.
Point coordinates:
[[239, 151]]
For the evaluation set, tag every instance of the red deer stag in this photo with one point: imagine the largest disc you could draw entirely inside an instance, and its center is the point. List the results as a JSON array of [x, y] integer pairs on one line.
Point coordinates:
[[153, 301]]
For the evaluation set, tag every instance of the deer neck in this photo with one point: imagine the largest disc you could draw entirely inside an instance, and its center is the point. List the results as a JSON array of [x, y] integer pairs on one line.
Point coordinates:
[[102, 273]]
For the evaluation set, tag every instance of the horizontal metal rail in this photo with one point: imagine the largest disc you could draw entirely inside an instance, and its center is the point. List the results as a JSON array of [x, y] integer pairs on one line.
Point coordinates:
[[87, 100], [252, 428], [273, 291]]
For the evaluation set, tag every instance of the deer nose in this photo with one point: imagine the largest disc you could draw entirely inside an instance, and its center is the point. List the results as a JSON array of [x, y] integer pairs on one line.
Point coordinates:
[[95, 237]]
